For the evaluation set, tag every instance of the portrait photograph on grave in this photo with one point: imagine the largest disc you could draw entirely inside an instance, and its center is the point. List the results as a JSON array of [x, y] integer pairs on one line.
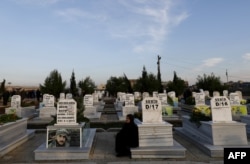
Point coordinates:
[[63, 137]]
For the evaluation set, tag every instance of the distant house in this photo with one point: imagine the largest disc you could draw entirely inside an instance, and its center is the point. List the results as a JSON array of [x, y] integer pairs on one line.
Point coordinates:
[[244, 87]]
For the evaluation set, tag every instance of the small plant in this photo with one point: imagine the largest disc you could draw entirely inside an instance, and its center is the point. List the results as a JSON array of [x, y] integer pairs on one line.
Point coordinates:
[[197, 116], [5, 118], [243, 102]]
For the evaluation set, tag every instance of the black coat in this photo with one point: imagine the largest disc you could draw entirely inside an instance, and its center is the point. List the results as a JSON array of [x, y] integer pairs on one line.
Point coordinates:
[[127, 138]]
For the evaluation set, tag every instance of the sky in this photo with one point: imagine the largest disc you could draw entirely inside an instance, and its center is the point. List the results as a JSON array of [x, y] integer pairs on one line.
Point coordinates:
[[104, 38]]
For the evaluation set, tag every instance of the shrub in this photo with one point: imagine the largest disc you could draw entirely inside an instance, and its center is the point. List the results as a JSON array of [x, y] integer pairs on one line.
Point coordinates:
[[197, 116], [8, 118]]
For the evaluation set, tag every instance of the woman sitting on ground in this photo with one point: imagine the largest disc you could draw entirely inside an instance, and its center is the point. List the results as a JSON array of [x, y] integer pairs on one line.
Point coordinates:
[[127, 137]]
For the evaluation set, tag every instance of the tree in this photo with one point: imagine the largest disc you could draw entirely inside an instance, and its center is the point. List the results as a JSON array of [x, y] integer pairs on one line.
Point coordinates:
[[116, 84], [210, 83], [147, 82], [73, 88], [128, 84], [87, 86], [178, 85], [153, 83], [2, 87], [53, 84]]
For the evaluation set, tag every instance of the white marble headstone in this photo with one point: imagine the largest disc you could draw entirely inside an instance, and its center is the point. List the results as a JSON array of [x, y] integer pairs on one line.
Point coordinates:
[[216, 93], [137, 95], [119, 94], [172, 94], [95, 97], [62, 96], [48, 100], [206, 93], [163, 98], [155, 94], [130, 100], [234, 99], [193, 94], [225, 93], [221, 109], [88, 100], [145, 94], [240, 94], [122, 97], [200, 99], [151, 110], [69, 96], [15, 101], [66, 112]]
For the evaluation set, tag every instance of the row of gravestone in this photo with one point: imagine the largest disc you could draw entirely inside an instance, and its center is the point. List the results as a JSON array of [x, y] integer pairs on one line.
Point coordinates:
[[129, 99], [125, 104], [48, 103], [217, 93], [235, 100]]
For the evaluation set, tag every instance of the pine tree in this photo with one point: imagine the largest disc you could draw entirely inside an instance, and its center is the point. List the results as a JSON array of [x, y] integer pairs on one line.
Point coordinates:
[[73, 88], [53, 84]]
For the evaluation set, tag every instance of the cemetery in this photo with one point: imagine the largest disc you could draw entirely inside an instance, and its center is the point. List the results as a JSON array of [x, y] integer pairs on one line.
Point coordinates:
[[155, 114]]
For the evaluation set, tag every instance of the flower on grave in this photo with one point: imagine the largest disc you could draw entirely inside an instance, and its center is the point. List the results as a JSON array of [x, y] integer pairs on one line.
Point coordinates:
[[243, 102], [239, 110], [200, 114]]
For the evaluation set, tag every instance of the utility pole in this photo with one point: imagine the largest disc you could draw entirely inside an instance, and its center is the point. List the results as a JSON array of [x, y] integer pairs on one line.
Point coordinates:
[[227, 75], [160, 89]]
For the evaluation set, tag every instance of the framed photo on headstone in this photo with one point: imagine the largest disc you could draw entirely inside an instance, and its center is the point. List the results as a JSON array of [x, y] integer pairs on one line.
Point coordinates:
[[58, 137]]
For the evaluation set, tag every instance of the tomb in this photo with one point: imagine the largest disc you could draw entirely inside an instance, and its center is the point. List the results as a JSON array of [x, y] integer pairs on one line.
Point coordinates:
[[15, 107], [212, 136], [155, 135], [90, 111], [67, 139], [129, 107], [13, 134], [46, 110]]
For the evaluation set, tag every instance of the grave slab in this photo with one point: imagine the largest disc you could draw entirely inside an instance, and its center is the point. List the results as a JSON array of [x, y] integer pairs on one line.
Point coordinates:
[[70, 153], [213, 136], [13, 134], [155, 135], [246, 120], [156, 141]]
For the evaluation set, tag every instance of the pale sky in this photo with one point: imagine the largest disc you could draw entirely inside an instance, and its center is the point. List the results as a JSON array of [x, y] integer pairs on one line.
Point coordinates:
[[104, 38]]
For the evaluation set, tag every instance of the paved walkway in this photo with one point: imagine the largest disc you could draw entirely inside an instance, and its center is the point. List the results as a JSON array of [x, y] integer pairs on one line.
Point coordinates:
[[103, 150]]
